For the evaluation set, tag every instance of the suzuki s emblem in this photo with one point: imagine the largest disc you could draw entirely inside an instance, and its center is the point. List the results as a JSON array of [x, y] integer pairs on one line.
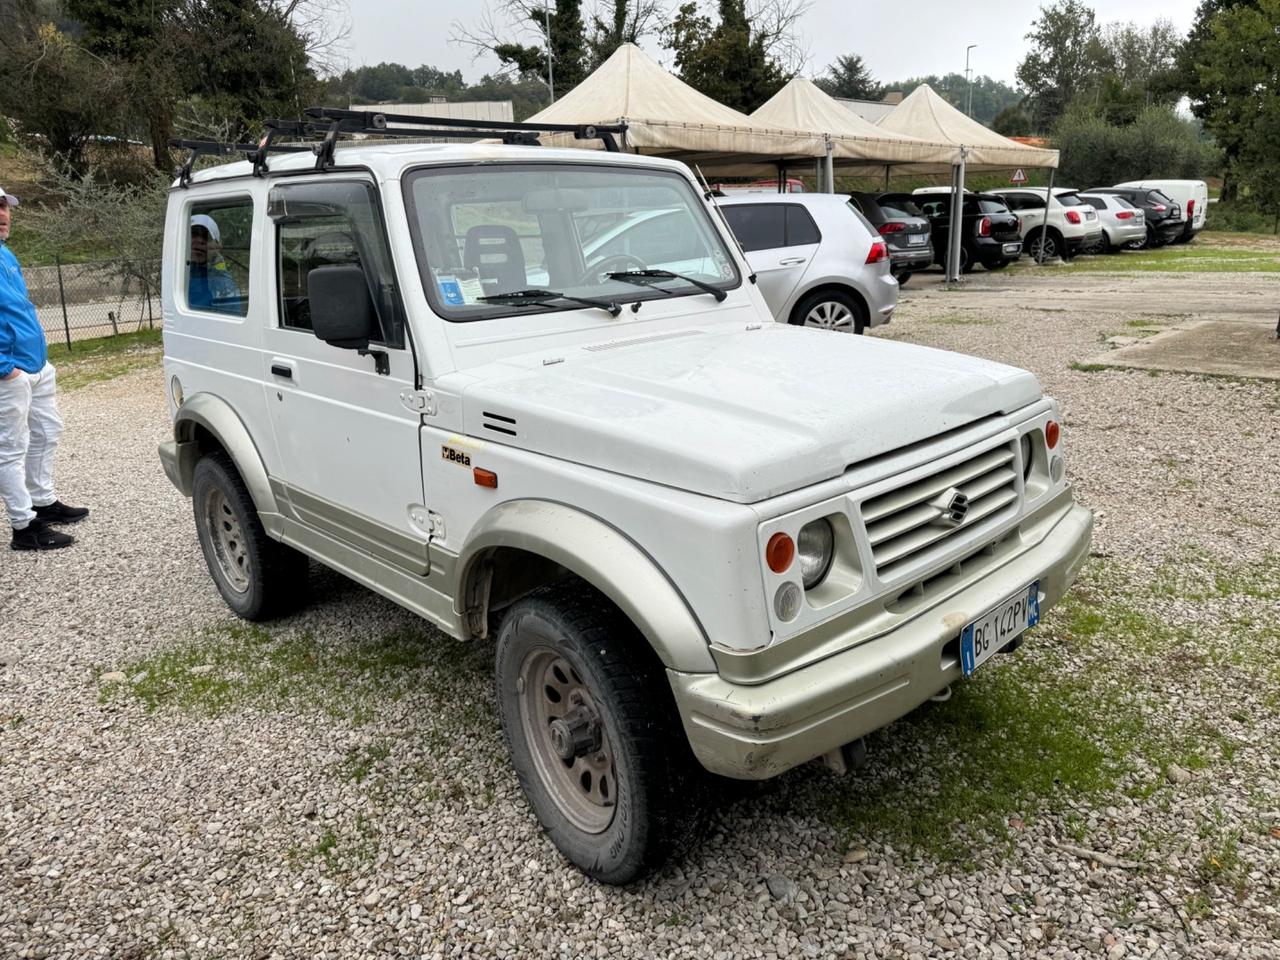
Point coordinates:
[[952, 506]]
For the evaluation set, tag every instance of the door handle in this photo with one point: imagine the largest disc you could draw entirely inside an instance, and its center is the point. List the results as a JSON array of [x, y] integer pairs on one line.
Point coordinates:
[[792, 261], [280, 370]]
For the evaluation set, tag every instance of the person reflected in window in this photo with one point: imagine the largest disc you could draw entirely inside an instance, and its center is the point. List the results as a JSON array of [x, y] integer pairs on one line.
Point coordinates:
[[210, 285]]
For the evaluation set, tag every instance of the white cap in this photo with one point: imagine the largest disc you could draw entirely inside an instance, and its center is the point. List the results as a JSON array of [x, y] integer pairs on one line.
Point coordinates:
[[9, 198], [206, 221]]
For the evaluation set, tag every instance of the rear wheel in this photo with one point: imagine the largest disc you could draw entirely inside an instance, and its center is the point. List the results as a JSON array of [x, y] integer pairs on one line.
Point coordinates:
[[830, 310], [1045, 244], [593, 733], [902, 276]]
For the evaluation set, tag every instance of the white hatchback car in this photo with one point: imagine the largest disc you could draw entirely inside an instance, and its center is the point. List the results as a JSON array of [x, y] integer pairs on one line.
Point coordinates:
[[819, 262], [1072, 225]]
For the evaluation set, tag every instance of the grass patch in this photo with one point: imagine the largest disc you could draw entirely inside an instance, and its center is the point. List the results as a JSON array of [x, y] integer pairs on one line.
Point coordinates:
[[1194, 575], [244, 665], [1188, 258], [1088, 367], [104, 358]]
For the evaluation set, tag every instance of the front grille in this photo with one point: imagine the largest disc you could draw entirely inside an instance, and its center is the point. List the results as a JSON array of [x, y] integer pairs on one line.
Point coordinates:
[[912, 525]]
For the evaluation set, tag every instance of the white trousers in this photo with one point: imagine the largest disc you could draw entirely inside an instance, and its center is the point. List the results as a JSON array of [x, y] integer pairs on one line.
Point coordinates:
[[29, 431]]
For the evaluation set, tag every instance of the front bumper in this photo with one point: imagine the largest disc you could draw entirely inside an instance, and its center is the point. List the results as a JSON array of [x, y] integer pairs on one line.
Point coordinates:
[[756, 731]]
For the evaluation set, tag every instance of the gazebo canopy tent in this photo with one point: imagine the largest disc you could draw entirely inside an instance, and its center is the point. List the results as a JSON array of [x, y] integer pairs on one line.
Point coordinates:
[[855, 143], [668, 118], [926, 115]]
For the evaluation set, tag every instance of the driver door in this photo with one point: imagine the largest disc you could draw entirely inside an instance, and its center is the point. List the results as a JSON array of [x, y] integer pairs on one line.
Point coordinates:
[[347, 445]]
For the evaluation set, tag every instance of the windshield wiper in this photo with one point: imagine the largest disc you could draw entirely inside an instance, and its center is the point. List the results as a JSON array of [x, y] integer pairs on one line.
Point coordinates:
[[542, 298], [642, 278]]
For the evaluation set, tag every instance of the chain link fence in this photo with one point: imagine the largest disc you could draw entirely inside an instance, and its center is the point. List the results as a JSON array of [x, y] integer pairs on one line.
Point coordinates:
[[105, 298]]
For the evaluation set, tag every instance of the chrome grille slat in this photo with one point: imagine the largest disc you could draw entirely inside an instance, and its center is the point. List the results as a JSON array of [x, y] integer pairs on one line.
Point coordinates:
[[906, 527], [922, 490]]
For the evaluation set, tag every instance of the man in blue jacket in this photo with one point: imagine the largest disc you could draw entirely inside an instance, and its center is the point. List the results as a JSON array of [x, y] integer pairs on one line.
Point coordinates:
[[29, 421]]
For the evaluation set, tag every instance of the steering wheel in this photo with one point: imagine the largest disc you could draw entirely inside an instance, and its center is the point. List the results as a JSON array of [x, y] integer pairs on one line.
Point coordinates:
[[613, 263]]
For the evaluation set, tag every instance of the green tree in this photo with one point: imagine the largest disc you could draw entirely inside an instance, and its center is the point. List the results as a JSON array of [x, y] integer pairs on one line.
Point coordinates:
[[1066, 59], [1156, 144], [851, 78], [1014, 121], [989, 96], [628, 21], [731, 59], [568, 49]]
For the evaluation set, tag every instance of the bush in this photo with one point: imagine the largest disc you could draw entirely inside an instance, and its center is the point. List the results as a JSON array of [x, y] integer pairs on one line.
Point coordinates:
[[1158, 144], [1240, 216]]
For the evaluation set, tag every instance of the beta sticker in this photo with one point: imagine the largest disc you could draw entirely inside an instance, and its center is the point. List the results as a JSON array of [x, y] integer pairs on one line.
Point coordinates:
[[451, 291], [455, 456]]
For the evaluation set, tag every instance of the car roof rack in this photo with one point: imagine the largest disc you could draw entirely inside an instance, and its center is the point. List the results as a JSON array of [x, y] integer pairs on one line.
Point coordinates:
[[330, 123]]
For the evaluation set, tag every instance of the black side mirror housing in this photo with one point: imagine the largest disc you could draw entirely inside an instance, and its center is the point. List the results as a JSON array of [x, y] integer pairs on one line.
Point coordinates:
[[342, 311]]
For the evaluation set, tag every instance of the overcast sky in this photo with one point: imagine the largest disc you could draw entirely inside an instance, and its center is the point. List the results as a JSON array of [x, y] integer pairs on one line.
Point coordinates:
[[897, 39]]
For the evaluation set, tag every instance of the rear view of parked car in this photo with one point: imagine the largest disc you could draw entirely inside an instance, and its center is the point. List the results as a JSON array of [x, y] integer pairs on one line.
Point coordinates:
[[988, 230], [1070, 227], [1163, 215], [1123, 224], [817, 260], [1191, 196], [904, 228]]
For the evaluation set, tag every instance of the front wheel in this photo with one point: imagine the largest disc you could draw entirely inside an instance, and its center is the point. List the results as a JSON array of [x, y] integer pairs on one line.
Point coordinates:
[[830, 310], [258, 577], [594, 738]]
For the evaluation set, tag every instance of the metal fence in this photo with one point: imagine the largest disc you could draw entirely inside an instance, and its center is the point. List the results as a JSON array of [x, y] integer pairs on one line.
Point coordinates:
[[79, 301]]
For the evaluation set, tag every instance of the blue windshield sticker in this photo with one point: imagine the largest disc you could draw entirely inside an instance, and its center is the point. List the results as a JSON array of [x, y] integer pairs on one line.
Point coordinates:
[[451, 291]]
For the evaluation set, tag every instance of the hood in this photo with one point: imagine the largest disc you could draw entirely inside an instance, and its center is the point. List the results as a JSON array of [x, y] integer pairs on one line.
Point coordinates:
[[741, 415]]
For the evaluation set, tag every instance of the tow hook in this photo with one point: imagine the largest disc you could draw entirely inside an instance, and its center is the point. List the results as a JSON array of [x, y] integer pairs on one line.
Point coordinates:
[[851, 756]]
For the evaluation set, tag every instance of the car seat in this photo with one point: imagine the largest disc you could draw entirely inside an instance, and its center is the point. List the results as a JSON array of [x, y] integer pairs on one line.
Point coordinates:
[[494, 252]]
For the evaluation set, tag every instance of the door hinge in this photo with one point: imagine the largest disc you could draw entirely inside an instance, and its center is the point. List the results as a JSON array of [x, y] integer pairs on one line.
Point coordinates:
[[419, 401], [428, 521]]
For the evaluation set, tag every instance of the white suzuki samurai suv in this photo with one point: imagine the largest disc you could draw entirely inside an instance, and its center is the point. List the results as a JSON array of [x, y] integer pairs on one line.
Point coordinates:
[[701, 537]]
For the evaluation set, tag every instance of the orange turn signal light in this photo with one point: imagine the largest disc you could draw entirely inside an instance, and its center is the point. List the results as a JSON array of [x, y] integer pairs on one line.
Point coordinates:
[[779, 552], [1051, 434], [485, 478]]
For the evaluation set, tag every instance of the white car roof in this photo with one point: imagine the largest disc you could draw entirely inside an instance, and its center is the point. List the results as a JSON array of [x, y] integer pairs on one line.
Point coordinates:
[[389, 160], [804, 199]]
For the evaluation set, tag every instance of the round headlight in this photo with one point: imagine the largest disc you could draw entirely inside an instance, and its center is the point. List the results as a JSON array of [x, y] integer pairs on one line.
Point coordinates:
[[1026, 455], [815, 547]]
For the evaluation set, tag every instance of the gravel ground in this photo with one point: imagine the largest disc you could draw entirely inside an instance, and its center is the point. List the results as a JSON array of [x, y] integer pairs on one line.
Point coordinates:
[[175, 784]]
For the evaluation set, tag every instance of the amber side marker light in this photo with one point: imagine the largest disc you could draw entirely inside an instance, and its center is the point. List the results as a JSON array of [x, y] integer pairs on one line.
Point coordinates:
[[1051, 434], [779, 552], [485, 478]]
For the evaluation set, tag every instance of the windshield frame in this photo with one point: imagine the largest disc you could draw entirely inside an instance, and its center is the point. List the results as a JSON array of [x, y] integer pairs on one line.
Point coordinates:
[[669, 291]]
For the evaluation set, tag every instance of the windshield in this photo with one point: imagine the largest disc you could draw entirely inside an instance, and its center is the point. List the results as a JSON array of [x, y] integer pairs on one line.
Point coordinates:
[[487, 231]]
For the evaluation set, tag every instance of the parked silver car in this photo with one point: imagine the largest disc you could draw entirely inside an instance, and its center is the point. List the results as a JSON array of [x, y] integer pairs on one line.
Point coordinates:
[[818, 261], [1122, 222]]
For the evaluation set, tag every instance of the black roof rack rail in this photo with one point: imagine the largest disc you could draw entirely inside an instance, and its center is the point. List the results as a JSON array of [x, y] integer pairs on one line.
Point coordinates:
[[329, 123]]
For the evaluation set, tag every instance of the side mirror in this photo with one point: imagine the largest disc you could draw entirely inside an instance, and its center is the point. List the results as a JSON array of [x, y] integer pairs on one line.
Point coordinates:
[[342, 312]]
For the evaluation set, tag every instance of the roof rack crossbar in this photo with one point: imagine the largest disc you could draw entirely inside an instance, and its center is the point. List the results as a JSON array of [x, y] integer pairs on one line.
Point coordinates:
[[375, 122], [213, 148]]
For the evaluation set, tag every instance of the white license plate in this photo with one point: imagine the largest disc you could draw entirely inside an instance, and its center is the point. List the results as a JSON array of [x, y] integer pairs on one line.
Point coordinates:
[[1013, 248], [917, 239], [980, 639]]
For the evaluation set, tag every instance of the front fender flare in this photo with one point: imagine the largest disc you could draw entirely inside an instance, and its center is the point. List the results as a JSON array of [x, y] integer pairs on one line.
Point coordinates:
[[217, 417], [606, 559]]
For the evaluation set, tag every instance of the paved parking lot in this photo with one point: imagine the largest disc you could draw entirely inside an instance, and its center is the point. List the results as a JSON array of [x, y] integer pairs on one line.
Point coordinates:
[[175, 783]]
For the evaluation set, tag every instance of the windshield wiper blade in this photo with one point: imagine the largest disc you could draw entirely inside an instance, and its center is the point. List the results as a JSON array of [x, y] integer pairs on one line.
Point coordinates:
[[543, 297], [642, 278]]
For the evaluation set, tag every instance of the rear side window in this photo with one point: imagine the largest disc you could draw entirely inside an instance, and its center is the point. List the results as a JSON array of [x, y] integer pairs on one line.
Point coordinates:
[[1155, 196], [1096, 202], [218, 254], [758, 226], [333, 223], [1123, 203], [800, 226]]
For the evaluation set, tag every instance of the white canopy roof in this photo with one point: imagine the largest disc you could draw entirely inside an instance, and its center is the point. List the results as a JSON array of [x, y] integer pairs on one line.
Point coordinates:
[[666, 117], [926, 115], [801, 105]]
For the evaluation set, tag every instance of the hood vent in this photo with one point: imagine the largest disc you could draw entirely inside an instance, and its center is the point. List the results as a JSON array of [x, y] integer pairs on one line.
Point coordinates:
[[635, 341], [499, 423]]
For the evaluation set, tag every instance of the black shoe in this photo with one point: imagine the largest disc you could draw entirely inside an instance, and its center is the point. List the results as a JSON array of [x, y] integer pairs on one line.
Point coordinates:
[[37, 536], [59, 512]]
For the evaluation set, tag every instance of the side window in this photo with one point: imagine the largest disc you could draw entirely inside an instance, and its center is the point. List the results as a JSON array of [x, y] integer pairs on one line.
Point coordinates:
[[220, 238], [1096, 202], [333, 223], [757, 226], [800, 226]]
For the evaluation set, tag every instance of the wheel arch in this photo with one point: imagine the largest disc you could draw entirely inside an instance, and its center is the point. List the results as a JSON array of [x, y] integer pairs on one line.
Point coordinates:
[[207, 423], [830, 286], [521, 545]]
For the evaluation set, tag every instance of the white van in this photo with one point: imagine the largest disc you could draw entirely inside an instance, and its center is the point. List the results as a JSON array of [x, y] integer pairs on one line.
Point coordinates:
[[1191, 195]]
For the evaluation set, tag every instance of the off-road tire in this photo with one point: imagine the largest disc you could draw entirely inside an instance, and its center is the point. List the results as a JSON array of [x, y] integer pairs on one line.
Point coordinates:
[[658, 790], [834, 298], [273, 576]]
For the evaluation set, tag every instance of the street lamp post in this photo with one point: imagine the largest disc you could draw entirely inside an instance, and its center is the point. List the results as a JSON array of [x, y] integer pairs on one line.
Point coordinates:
[[968, 75], [551, 76]]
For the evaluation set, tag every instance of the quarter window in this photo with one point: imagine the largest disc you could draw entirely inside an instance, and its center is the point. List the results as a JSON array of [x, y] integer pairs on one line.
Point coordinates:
[[333, 223], [801, 229], [758, 226], [218, 254]]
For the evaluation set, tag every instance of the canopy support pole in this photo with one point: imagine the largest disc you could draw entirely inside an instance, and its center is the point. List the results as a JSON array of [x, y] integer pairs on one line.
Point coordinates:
[[957, 217], [782, 177], [886, 178], [1044, 224], [830, 168], [817, 176]]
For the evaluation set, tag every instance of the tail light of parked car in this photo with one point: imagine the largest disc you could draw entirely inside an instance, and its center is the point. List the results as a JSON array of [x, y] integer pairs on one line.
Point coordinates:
[[984, 227], [1073, 216], [888, 228], [1191, 208], [878, 252], [1159, 207], [1124, 215]]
